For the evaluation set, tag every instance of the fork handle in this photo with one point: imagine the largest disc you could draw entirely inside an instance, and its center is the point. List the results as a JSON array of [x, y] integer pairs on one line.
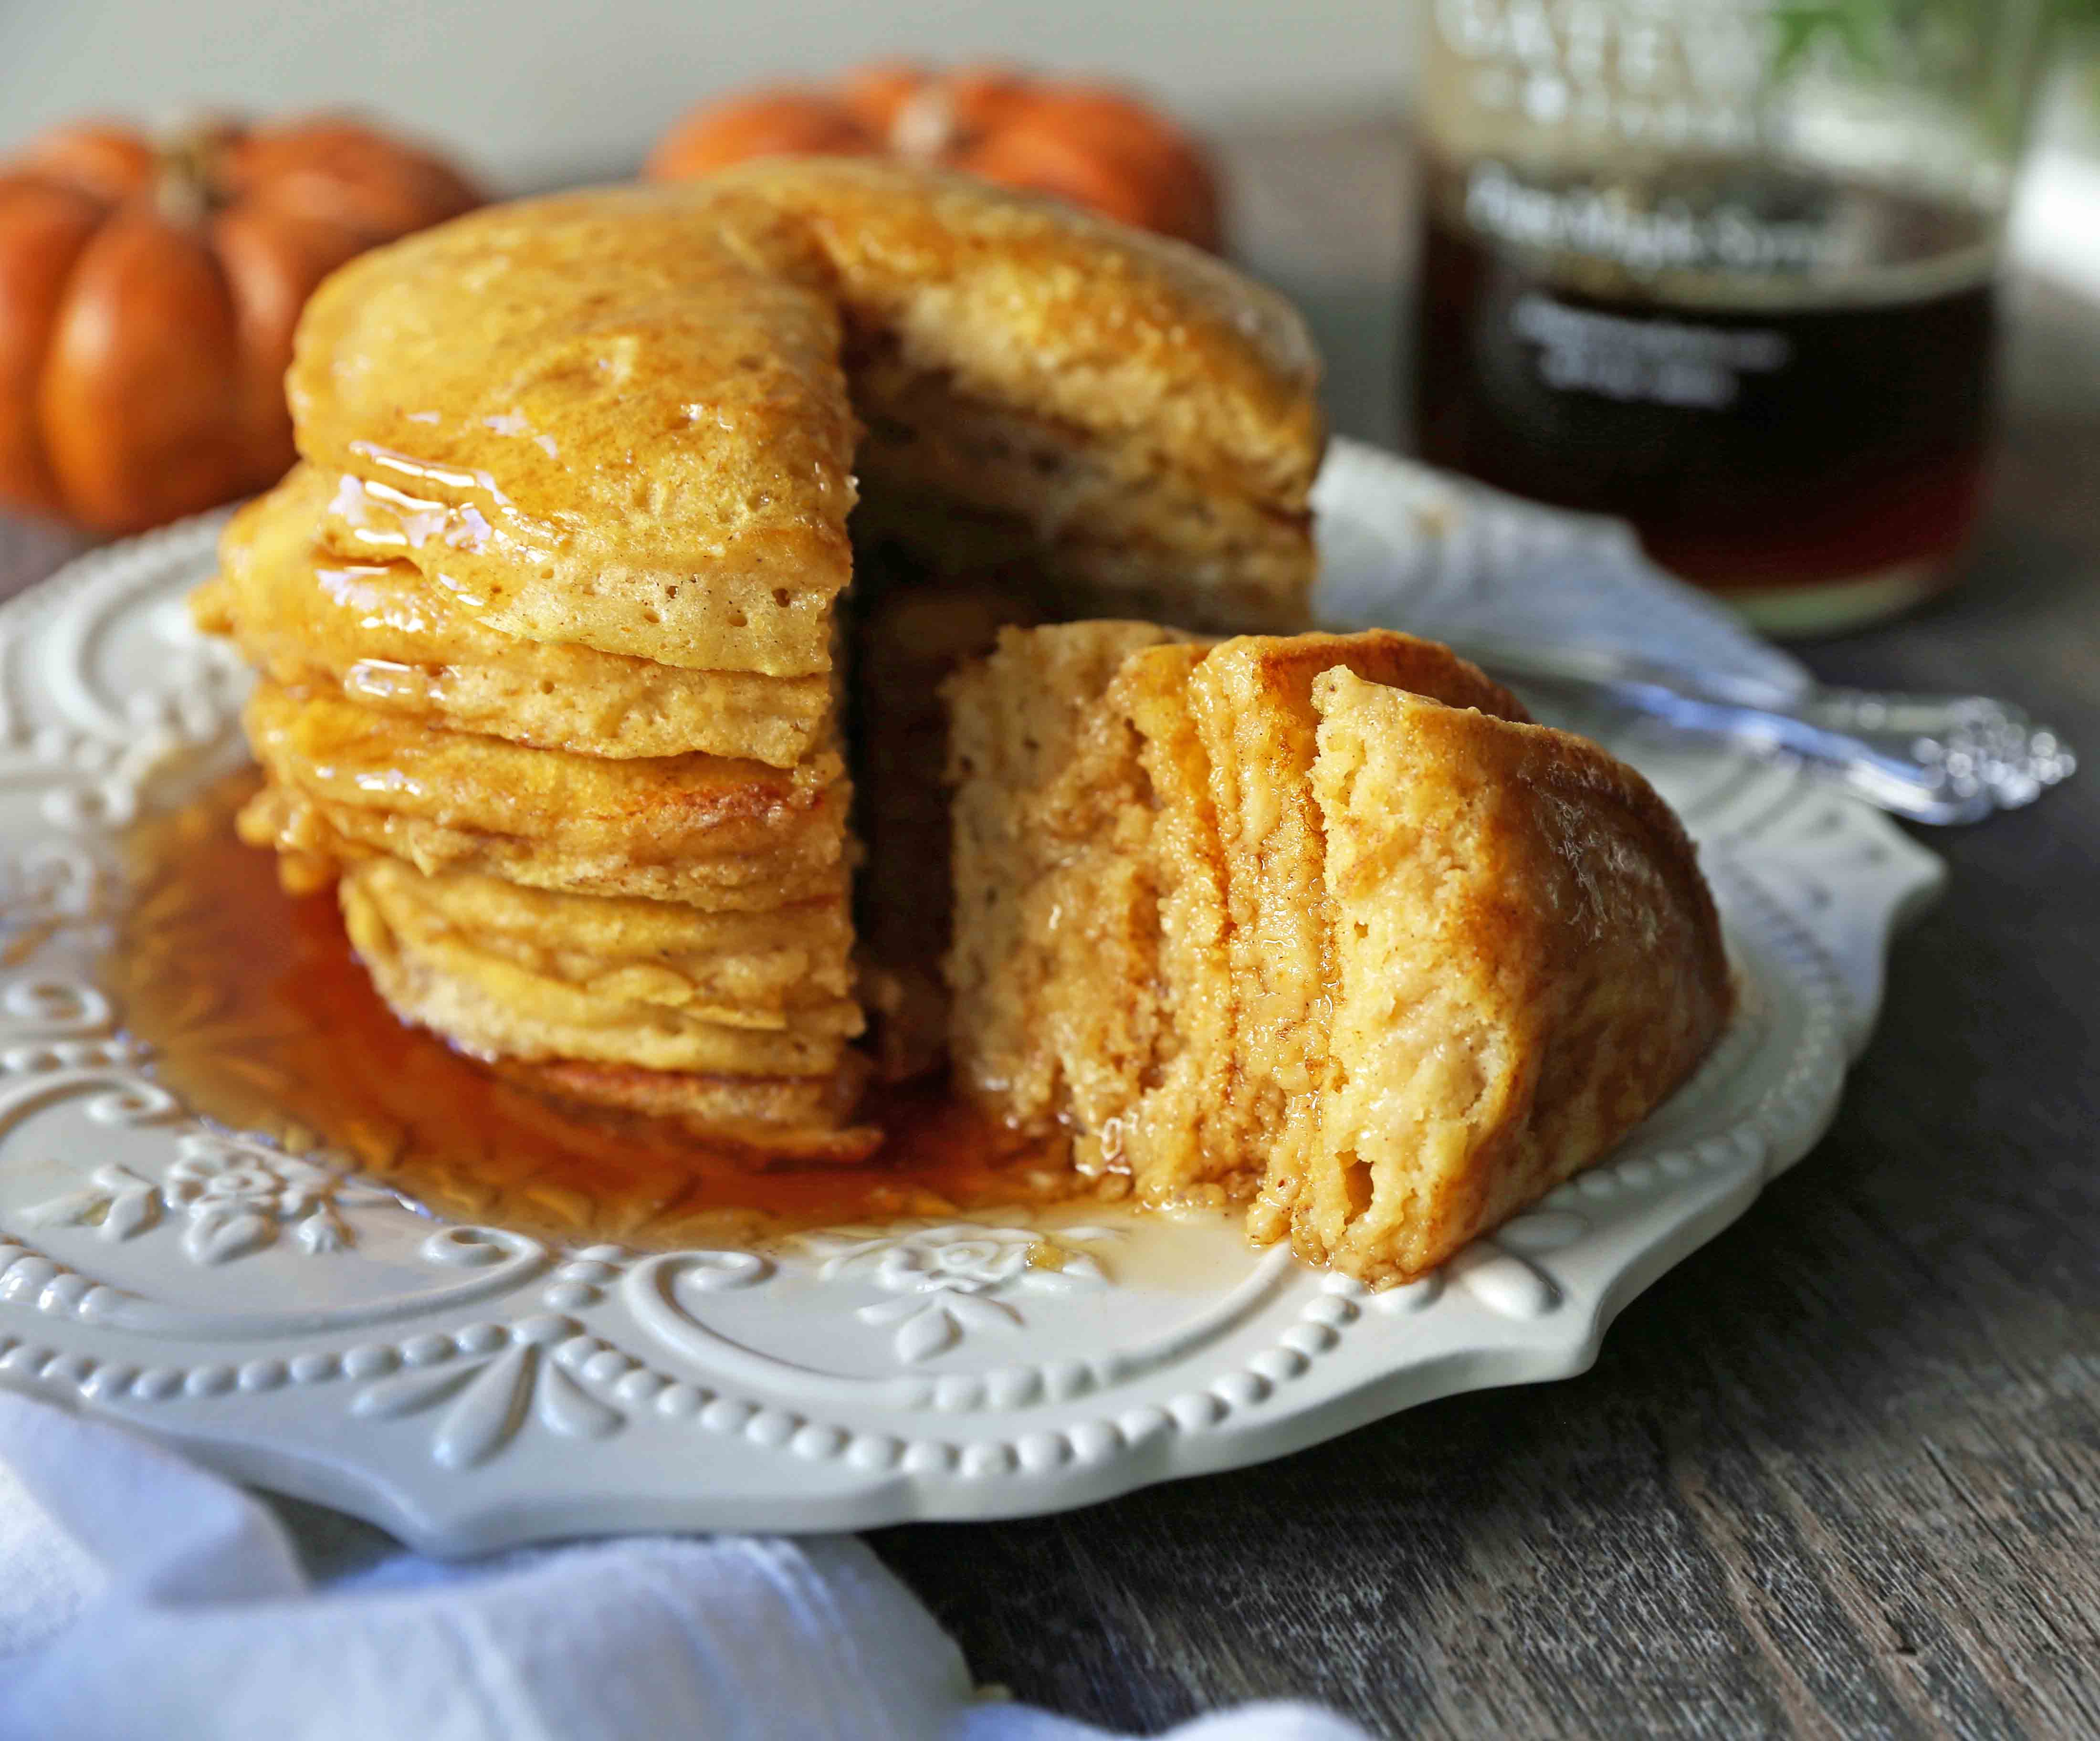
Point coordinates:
[[1886, 764], [1931, 758]]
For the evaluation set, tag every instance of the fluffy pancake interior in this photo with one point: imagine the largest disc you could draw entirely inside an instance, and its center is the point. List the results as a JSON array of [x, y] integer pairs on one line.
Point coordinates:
[[1395, 997], [1479, 1053]]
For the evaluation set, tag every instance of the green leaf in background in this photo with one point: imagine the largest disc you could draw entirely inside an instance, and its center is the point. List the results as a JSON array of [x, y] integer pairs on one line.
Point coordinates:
[[1881, 39], [1801, 27], [1857, 28]]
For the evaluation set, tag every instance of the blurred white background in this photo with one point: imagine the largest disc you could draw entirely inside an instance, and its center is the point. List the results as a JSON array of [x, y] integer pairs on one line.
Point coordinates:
[[533, 91]]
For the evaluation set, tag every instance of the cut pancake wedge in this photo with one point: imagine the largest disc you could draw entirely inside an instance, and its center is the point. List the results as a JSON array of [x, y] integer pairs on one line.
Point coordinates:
[[1322, 921]]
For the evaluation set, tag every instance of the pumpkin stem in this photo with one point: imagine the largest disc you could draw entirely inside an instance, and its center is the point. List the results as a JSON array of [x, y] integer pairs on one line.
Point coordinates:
[[188, 185], [925, 126]]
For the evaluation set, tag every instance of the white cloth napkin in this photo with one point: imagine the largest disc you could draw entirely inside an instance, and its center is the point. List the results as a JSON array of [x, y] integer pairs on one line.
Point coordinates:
[[1403, 546], [141, 1597]]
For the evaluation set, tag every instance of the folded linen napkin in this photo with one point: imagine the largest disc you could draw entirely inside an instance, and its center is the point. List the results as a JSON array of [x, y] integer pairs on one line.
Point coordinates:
[[140, 1597], [1404, 546]]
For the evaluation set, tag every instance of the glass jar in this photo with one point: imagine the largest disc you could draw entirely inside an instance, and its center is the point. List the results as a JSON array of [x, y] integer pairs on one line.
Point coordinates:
[[1726, 269]]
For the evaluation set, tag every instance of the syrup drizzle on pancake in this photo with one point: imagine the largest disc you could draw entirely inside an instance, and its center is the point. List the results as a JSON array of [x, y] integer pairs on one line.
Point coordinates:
[[260, 1016]]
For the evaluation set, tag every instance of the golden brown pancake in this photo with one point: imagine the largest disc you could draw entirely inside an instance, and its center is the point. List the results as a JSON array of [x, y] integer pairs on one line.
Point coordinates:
[[664, 827], [1321, 920], [1516, 897], [603, 419], [497, 1008], [749, 970], [620, 418], [735, 1025], [316, 840], [778, 1118], [391, 640]]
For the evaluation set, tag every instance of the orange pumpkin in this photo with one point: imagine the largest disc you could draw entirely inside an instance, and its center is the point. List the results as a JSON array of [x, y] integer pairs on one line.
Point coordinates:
[[148, 289], [1094, 145]]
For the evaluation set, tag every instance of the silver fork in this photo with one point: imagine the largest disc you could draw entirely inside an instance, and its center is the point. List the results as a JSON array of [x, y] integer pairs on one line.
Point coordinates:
[[1938, 759]]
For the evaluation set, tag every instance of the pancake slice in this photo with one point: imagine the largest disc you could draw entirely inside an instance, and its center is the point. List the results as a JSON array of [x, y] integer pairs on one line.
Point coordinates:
[[1249, 703], [1316, 921], [1060, 940], [1528, 962]]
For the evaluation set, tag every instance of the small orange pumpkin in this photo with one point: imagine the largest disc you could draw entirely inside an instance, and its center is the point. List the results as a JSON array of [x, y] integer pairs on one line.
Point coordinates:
[[1094, 145], [148, 289]]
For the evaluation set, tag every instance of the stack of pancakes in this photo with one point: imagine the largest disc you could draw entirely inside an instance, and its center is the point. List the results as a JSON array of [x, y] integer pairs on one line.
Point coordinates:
[[549, 617], [630, 876]]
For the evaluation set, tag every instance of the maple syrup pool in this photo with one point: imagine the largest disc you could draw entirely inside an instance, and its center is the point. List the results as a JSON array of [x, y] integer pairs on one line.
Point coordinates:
[[259, 1016]]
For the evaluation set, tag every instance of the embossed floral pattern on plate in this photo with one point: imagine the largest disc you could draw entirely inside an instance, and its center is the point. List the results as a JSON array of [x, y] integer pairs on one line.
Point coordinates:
[[233, 1196], [949, 1281]]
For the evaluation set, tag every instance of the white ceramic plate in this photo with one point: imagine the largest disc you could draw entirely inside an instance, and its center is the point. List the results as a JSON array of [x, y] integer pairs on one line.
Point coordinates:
[[468, 1387]]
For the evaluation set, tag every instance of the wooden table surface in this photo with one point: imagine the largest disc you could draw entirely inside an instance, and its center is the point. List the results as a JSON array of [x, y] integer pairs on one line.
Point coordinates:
[[1837, 1474]]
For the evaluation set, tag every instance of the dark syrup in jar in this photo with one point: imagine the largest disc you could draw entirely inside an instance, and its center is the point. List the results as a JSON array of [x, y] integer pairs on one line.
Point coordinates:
[[1762, 430], [261, 1017]]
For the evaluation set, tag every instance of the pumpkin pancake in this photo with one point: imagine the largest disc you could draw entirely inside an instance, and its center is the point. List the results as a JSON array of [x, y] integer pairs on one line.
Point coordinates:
[[1321, 920], [314, 840], [664, 827], [780, 1091], [548, 616], [496, 1007], [392, 640], [750, 970], [1529, 962], [623, 418]]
